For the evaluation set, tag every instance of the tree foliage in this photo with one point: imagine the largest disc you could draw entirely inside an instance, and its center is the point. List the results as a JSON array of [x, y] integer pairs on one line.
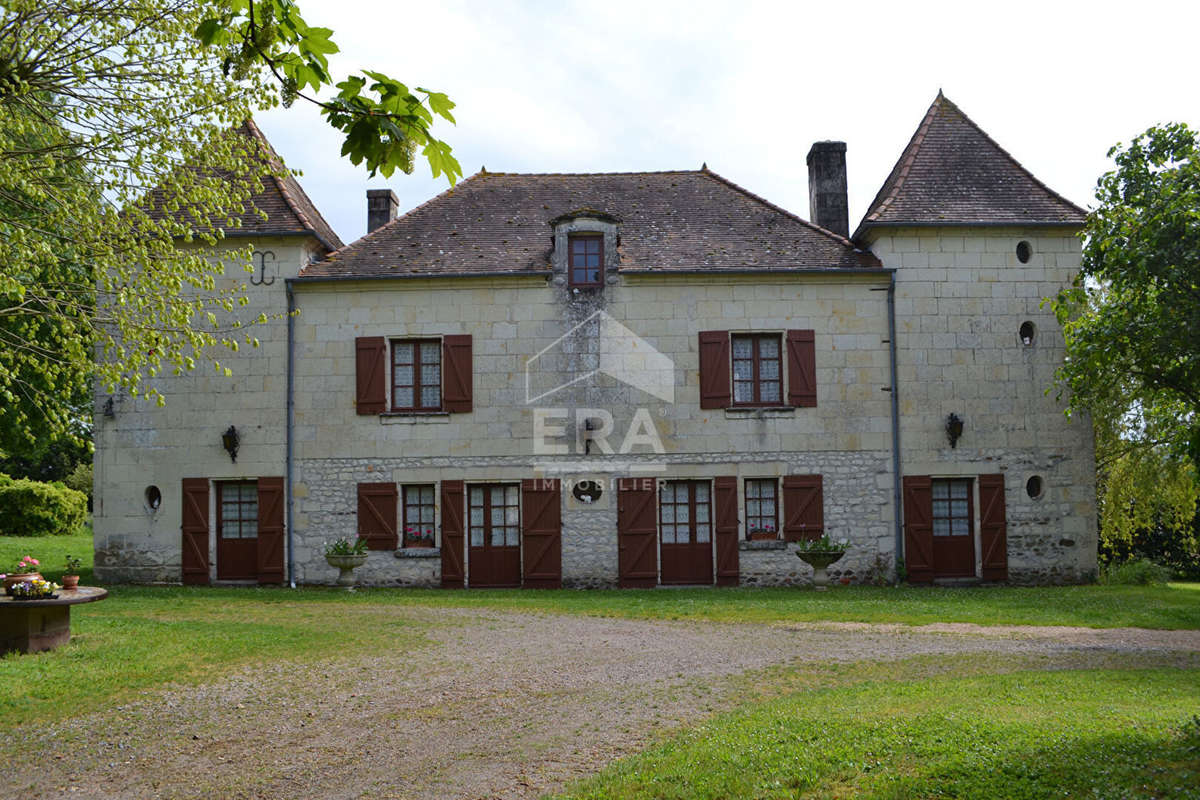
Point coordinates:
[[103, 101], [1131, 320]]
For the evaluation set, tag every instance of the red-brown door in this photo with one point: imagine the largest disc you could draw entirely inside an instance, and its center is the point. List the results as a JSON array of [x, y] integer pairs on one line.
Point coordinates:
[[685, 528], [494, 527], [237, 531], [953, 529], [637, 533]]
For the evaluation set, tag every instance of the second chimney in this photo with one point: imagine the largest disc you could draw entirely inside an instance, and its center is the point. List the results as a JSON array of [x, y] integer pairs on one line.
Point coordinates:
[[382, 205], [827, 204]]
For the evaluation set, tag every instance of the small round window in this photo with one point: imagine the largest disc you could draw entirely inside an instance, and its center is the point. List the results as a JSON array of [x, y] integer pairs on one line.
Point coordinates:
[[588, 491], [1027, 332], [1024, 251], [1034, 487], [153, 498]]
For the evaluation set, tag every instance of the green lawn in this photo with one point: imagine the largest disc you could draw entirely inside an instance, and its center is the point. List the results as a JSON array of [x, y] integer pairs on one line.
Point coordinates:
[[1072, 733]]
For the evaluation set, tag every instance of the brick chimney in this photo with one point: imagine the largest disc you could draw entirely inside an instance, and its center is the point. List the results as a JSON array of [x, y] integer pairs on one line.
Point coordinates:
[[381, 208], [827, 204]]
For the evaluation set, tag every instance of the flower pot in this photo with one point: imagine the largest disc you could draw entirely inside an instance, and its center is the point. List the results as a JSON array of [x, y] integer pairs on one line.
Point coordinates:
[[20, 577], [819, 560], [346, 564], [70, 581]]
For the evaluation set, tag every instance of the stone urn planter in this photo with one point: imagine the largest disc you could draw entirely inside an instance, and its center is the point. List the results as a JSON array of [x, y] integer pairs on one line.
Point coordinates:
[[820, 560], [346, 564]]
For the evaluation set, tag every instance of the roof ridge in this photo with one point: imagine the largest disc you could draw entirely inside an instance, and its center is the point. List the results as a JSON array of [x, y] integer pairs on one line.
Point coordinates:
[[492, 174], [842, 240]]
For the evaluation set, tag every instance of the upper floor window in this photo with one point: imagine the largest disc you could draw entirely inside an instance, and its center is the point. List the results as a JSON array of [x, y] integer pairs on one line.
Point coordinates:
[[416, 375], [585, 260], [757, 370]]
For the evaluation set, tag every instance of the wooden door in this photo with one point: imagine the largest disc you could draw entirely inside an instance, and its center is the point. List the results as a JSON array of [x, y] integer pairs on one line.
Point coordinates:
[[271, 530], [541, 533], [637, 533], [953, 529], [237, 531], [685, 528], [194, 545], [494, 530]]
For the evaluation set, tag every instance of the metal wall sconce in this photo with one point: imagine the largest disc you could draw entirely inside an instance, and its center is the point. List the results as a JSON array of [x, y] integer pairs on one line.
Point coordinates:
[[954, 429], [109, 411], [230, 441]]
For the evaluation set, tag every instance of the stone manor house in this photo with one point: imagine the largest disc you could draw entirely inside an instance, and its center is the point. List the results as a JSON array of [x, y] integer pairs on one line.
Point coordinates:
[[630, 379]]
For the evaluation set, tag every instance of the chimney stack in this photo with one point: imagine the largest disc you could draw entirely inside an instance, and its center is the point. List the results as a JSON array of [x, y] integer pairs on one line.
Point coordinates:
[[382, 205], [827, 204]]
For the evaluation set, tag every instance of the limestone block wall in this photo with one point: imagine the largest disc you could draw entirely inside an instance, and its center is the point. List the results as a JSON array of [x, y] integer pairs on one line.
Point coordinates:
[[145, 445], [962, 296]]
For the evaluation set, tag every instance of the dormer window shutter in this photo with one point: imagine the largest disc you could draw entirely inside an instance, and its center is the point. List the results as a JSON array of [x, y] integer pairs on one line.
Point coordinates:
[[802, 369], [457, 380], [370, 367], [714, 369]]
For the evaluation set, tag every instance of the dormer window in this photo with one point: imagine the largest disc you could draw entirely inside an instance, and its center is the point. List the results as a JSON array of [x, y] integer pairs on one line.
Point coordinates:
[[585, 260]]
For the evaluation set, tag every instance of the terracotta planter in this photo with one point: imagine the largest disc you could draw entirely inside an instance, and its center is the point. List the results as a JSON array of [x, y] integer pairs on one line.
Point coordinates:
[[346, 565], [20, 577], [70, 581], [819, 560]]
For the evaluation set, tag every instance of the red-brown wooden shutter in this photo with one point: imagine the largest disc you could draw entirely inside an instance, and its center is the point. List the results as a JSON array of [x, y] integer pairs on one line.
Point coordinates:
[[453, 499], [918, 528], [270, 530], [194, 544], [993, 528], [714, 369], [726, 510], [802, 369], [541, 533], [377, 515], [457, 380], [370, 364], [637, 533], [803, 507]]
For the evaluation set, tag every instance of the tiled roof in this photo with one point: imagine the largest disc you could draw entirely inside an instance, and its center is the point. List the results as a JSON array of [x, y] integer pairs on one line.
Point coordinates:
[[952, 173], [500, 222]]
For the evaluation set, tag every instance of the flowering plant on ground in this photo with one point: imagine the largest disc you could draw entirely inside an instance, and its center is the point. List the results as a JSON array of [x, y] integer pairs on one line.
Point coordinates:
[[344, 547], [31, 590], [26, 564], [823, 545]]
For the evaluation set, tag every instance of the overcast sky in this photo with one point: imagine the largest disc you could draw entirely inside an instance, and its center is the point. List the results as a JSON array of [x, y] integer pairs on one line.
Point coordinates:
[[748, 86]]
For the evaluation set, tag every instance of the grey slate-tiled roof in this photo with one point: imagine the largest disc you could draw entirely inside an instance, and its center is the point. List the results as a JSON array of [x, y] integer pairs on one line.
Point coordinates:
[[952, 173], [501, 222]]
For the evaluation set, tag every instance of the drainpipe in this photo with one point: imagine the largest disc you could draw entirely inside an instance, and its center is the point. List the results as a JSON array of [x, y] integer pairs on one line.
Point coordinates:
[[289, 425], [896, 498]]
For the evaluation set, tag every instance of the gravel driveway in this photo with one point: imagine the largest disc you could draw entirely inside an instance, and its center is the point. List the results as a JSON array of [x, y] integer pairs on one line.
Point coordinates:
[[503, 704]]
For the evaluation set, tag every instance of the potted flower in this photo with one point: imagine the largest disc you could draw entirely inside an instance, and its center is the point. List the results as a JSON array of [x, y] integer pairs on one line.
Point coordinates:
[[26, 570], [819, 554], [35, 589], [71, 573], [415, 536], [346, 555], [763, 532]]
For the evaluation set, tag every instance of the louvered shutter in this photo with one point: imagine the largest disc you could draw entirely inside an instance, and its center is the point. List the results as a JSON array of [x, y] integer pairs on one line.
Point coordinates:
[[802, 369], [726, 511], [541, 533], [194, 528], [453, 499], [918, 528], [270, 530], [993, 524], [377, 515], [637, 533], [370, 365], [457, 377], [803, 507], [715, 389]]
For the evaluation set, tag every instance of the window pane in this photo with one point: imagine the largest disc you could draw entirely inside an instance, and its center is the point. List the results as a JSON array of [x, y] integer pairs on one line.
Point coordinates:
[[941, 527], [668, 514], [702, 512], [668, 534], [753, 508], [770, 392], [743, 347], [431, 352], [403, 397], [512, 515], [941, 489], [497, 516], [426, 514], [476, 516], [403, 352], [497, 495], [743, 392], [753, 488], [682, 513], [476, 495], [250, 530], [426, 494], [958, 508], [769, 370], [512, 495], [961, 527], [403, 376], [497, 537], [768, 348], [476, 537], [743, 370], [702, 533], [941, 508], [768, 508], [958, 489], [702, 492], [431, 397]]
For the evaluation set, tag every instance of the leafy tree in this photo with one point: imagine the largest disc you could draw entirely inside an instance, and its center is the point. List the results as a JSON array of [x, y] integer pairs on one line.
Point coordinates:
[[1131, 321], [102, 101]]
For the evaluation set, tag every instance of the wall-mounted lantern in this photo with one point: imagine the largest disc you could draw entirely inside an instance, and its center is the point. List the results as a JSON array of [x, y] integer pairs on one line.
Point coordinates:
[[109, 411], [230, 441], [954, 429]]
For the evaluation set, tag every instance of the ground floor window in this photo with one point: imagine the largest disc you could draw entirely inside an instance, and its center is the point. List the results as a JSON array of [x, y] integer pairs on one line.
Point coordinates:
[[952, 507], [418, 505], [762, 508], [495, 516], [238, 516]]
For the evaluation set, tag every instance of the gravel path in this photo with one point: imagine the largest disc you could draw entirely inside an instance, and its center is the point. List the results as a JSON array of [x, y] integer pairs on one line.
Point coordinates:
[[501, 705]]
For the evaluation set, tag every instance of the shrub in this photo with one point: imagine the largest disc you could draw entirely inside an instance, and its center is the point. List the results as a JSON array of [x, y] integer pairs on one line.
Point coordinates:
[[80, 478], [32, 508], [1141, 572]]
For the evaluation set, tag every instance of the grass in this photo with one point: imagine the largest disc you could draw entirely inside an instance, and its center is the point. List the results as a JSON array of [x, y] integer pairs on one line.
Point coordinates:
[[1026, 734], [52, 551]]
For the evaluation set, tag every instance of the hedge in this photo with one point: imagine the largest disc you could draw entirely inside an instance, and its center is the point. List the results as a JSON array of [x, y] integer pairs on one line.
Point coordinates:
[[33, 508]]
